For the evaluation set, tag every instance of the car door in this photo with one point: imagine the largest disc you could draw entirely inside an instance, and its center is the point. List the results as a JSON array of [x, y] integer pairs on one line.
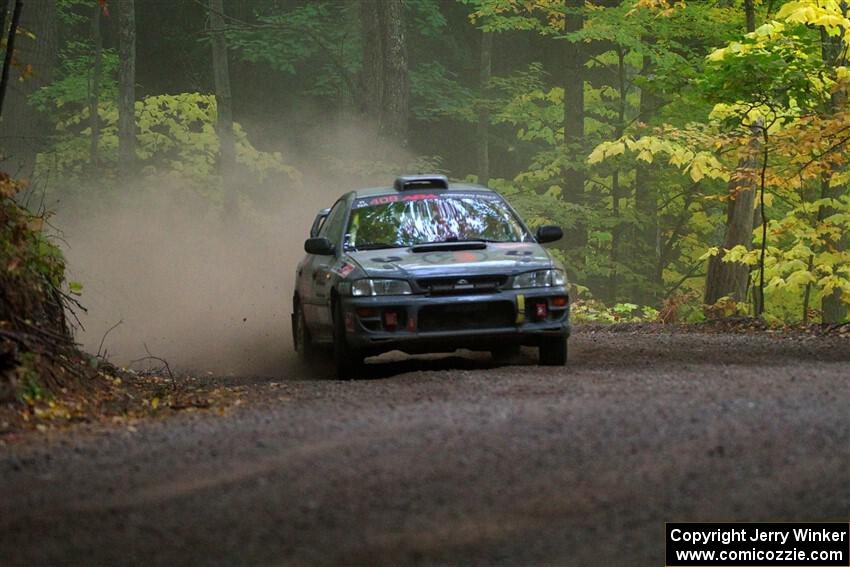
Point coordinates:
[[317, 277]]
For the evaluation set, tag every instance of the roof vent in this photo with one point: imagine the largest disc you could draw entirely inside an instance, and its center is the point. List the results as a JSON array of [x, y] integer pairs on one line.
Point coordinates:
[[413, 182]]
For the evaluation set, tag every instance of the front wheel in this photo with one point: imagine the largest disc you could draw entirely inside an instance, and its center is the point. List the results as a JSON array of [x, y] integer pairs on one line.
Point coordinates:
[[348, 361], [553, 351]]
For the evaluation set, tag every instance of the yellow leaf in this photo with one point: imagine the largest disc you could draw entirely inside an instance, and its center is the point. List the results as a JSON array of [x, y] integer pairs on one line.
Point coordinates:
[[616, 149], [696, 171], [713, 251]]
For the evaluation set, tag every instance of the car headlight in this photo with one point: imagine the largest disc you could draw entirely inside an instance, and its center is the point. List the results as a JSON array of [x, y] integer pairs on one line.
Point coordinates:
[[540, 278], [367, 287]]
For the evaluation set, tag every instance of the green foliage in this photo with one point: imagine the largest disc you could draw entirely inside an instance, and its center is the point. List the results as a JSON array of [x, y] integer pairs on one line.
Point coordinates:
[[771, 71], [69, 11], [284, 40], [176, 135], [774, 84], [71, 91], [674, 94], [26, 255], [594, 311], [30, 389], [436, 93]]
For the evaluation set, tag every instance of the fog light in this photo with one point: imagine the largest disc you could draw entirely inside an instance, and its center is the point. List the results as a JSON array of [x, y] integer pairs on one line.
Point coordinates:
[[540, 310], [390, 320], [559, 301]]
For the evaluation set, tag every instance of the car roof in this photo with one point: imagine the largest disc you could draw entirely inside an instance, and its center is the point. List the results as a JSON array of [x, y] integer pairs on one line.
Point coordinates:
[[453, 188]]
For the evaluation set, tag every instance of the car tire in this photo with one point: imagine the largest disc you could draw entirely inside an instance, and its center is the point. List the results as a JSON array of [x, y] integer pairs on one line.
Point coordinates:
[[505, 353], [301, 339], [553, 351], [348, 361]]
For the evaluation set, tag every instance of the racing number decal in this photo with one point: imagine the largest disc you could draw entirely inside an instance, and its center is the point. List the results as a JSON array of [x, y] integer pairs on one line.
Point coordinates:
[[385, 199]]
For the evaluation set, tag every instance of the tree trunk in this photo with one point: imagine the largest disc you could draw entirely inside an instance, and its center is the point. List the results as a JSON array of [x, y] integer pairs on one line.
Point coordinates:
[[732, 278], [574, 173], [750, 13], [393, 121], [24, 132], [833, 309], [224, 107], [126, 88], [616, 193], [371, 75], [94, 93], [4, 13], [646, 244], [483, 131], [10, 47]]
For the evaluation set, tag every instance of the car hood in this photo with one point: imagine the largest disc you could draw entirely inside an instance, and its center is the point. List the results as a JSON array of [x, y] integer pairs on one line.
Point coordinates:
[[495, 258]]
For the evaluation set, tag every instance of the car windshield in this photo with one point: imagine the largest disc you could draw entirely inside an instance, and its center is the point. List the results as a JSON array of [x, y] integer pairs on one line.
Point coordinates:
[[398, 220]]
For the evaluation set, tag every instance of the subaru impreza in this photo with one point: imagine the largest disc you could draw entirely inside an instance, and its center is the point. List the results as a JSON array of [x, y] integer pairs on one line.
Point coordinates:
[[428, 266]]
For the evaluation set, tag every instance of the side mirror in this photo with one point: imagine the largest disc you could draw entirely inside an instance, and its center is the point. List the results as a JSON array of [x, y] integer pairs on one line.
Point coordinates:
[[319, 246], [549, 233]]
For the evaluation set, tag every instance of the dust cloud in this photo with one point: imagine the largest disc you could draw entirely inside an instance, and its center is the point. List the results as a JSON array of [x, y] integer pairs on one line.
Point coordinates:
[[207, 293], [203, 292]]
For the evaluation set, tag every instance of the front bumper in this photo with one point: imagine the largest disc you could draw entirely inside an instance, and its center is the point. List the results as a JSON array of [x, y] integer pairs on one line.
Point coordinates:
[[440, 323]]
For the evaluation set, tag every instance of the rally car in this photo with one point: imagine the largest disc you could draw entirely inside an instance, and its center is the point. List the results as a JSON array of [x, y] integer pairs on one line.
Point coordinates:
[[428, 266]]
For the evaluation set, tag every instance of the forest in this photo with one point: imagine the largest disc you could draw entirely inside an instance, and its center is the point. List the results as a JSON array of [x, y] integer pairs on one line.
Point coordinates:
[[694, 152], [163, 402]]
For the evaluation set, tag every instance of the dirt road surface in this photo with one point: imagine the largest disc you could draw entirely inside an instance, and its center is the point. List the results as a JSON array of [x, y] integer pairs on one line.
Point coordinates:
[[454, 461]]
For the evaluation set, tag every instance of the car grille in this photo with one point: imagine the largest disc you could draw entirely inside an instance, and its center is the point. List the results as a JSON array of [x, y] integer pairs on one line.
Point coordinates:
[[461, 285], [466, 316]]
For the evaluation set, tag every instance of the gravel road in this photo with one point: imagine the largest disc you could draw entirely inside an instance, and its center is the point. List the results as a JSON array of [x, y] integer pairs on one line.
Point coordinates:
[[454, 461]]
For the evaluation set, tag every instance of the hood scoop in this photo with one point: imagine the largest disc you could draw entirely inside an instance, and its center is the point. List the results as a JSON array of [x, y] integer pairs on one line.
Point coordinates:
[[450, 246]]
